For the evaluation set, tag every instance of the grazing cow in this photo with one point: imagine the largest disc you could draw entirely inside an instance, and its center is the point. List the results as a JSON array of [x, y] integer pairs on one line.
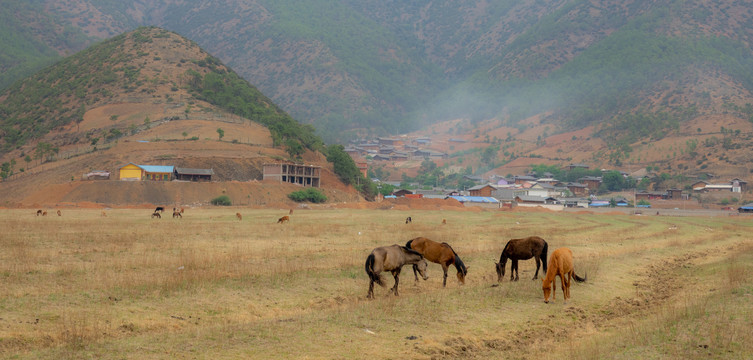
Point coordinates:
[[283, 219], [59, 213], [160, 209], [408, 220], [157, 215], [177, 214], [44, 213], [239, 216], [39, 212]]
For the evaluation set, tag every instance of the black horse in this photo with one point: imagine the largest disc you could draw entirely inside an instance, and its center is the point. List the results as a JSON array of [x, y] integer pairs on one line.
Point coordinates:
[[522, 249]]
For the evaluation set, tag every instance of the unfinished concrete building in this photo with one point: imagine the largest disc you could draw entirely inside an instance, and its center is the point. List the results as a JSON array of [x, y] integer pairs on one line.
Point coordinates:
[[305, 175]]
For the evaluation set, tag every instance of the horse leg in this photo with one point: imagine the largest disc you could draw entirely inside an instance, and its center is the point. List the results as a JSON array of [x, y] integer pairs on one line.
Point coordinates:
[[444, 281], [396, 274], [415, 272], [514, 270], [538, 264], [565, 287]]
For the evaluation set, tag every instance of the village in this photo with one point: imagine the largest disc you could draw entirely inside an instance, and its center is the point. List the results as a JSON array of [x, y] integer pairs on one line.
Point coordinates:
[[528, 190]]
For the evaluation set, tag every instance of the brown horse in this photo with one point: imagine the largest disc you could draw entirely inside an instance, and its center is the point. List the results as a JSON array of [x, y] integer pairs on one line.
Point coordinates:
[[291, 212], [522, 249], [156, 215], [239, 216], [59, 213], [283, 219], [177, 214], [442, 254], [561, 264], [391, 258], [39, 212]]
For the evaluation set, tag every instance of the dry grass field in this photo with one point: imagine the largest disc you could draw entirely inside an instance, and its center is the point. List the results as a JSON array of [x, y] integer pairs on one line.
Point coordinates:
[[126, 286]]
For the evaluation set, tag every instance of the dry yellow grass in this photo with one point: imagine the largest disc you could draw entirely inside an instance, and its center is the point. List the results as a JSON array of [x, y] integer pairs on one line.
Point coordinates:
[[210, 286]]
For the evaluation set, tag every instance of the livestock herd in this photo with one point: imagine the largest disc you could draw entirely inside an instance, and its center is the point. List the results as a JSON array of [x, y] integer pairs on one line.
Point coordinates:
[[418, 250]]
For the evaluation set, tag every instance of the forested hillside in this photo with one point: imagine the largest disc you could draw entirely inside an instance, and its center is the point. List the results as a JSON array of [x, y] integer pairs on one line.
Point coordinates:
[[634, 68]]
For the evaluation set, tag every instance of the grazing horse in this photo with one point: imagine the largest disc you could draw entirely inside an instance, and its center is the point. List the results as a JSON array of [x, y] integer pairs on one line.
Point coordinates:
[[39, 212], [181, 210], [561, 264], [177, 214], [522, 249], [283, 219], [444, 221], [59, 213], [408, 220], [391, 258], [104, 214], [160, 209], [442, 254], [290, 212], [157, 215], [239, 216], [44, 213]]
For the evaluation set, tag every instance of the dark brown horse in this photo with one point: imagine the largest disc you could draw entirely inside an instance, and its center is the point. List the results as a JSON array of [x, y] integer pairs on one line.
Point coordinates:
[[522, 249], [391, 258], [442, 254]]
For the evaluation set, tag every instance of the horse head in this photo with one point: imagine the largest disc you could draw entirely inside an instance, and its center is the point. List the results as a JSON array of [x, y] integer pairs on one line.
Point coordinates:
[[421, 266], [547, 286], [501, 267]]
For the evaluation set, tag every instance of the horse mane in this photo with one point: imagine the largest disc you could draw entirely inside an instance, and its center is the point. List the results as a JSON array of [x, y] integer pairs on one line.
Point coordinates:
[[459, 265], [411, 251], [408, 243], [504, 251]]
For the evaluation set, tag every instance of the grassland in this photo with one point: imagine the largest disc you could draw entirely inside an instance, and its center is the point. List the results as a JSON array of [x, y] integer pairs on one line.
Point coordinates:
[[127, 286]]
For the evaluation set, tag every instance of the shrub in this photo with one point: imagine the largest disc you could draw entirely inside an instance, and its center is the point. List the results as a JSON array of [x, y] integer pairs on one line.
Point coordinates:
[[310, 194], [222, 200]]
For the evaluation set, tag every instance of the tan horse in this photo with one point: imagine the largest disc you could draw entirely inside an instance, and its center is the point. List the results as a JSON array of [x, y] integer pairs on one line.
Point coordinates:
[[442, 254], [560, 264], [283, 219], [391, 258], [239, 216], [44, 213]]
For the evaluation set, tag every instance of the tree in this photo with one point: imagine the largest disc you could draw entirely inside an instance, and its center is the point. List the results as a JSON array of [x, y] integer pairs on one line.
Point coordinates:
[[221, 133], [184, 135], [613, 180]]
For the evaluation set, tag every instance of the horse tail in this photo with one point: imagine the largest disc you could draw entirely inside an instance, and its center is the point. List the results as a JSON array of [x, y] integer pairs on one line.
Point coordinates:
[[543, 254], [408, 244], [370, 270], [578, 278]]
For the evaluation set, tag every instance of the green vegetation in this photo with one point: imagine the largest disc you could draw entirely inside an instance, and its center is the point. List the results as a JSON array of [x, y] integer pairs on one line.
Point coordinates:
[[222, 200], [347, 171], [308, 194], [225, 89]]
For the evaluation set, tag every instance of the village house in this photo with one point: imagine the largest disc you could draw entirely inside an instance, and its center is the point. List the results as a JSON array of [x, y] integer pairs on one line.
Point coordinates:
[[591, 182], [187, 174], [135, 172], [577, 189], [481, 190]]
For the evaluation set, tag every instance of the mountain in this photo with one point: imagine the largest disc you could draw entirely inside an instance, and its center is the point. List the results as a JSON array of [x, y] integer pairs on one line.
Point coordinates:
[[149, 96], [630, 71]]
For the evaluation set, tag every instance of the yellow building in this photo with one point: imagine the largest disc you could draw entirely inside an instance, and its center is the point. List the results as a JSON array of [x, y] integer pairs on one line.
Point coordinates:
[[131, 172], [146, 172]]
